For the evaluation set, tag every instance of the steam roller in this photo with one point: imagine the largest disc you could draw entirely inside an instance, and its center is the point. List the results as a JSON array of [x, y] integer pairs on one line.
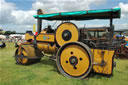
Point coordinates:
[[74, 57]]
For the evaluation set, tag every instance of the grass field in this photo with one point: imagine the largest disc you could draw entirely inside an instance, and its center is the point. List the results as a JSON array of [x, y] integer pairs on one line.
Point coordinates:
[[46, 73]]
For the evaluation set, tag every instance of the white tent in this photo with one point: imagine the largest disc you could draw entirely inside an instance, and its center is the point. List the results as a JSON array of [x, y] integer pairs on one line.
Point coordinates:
[[14, 35], [2, 37], [23, 37]]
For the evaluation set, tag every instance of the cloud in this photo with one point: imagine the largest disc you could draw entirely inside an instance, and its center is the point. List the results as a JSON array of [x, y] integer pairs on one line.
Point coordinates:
[[24, 17], [17, 28], [51, 6], [5, 12], [124, 9], [98, 2], [21, 20], [123, 22], [10, 16]]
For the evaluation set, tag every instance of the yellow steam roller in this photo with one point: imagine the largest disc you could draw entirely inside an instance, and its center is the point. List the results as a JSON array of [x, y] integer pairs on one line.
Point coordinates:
[[78, 51]]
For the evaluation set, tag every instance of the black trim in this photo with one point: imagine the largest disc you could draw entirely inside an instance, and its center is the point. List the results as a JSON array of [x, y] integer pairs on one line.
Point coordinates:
[[73, 60], [66, 35], [39, 25]]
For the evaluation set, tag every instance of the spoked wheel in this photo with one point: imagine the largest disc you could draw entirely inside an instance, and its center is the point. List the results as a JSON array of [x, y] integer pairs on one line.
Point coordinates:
[[118, 53], [23, 58], [20, 60], [125, 52], [74, 60]]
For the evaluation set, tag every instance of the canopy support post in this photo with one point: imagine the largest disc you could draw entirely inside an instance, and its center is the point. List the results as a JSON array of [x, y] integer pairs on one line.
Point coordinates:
[[111, 27], [39, 23], [111, 20]]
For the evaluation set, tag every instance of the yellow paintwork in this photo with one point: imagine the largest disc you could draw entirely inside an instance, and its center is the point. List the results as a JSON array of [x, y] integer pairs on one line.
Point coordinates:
[[43, 31], [97, 57], [30, 51], [28, 36], [66, 26], [46, 47], [78, 52], [34, 28], [126, 39], [23, 60], [46, 37], [43, 36]]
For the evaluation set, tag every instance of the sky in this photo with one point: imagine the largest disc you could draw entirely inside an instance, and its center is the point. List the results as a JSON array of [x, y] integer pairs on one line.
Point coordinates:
[[17, 15]]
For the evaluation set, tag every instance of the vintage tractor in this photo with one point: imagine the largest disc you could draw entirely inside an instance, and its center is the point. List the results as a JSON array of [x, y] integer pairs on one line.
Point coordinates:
[[120, 41], [75, 58]]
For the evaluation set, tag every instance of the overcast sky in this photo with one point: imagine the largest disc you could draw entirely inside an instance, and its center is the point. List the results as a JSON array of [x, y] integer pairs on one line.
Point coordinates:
[[17, 15]]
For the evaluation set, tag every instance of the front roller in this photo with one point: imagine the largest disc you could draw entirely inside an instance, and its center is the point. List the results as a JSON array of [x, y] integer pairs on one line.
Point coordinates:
[[27, 55], [74, 60]]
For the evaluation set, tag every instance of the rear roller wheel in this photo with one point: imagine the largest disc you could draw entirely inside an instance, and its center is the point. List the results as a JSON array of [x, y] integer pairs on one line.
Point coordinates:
[[74, 60]]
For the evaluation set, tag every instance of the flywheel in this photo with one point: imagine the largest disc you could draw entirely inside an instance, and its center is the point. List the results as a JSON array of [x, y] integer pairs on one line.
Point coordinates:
[[74, 60], [67, 32]]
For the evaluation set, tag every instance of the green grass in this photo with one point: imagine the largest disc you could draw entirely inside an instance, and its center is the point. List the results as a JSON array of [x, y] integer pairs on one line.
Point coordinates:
[[46, 73]]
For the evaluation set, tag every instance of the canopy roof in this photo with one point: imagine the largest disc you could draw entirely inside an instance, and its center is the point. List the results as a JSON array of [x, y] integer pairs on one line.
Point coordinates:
[[82, 15]]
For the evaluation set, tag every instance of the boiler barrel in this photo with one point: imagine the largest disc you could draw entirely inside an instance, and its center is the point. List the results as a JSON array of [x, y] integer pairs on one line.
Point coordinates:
[[46, 47]]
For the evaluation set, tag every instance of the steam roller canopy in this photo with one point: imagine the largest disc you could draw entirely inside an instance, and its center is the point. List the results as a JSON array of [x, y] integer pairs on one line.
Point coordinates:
[[28, 55], [67, 32], [74, 60]]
